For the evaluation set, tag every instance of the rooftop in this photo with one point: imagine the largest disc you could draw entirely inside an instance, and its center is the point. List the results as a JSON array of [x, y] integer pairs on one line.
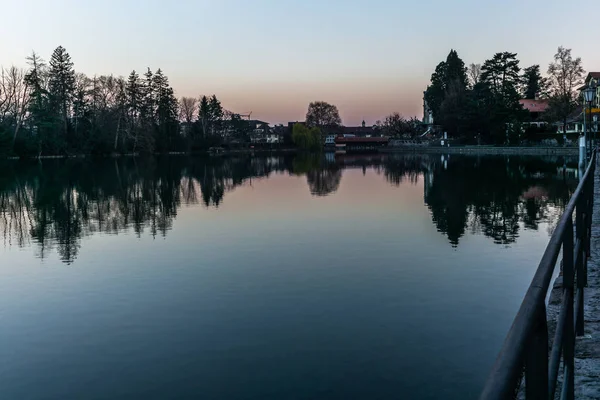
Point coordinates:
[[534, 105], [595, 75], [590, 76]]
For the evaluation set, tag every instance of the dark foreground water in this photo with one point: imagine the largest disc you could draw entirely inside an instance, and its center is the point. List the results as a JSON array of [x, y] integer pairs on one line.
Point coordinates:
[[267, 278]]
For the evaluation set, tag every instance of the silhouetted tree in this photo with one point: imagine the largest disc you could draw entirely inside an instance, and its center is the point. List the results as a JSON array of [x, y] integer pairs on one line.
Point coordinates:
[[61, 85], [501, 76], [306, 138], [166, 109], [14, 100], [216, 115], [565, 75], [534, 85], [40, 120], [187, 109], [135, 98], [449, 73], [204, 115], [321, 114], [396, 125]]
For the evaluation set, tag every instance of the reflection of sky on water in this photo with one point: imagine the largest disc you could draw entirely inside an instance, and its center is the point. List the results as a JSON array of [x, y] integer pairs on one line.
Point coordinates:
[[394, 276]]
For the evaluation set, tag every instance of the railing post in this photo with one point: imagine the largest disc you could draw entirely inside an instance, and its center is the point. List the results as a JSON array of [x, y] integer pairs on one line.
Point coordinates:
[[536, 360], [588, 195], [579, 219], [568, 389], [589, 199], [568, 338], [568, 269]]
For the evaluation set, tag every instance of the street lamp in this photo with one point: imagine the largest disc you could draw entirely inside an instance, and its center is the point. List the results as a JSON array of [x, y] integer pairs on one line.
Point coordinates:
[[589, 95]]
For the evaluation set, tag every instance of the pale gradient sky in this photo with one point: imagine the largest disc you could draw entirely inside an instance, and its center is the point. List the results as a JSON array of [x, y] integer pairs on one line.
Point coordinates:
[[272, 57]]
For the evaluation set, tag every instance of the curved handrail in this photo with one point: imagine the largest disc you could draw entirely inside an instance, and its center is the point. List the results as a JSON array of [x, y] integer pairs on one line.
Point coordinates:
[[528, 333]]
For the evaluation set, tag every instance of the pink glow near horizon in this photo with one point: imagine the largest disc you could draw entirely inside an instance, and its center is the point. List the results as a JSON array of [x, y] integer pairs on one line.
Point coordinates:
[[369, 58], [282, 103]]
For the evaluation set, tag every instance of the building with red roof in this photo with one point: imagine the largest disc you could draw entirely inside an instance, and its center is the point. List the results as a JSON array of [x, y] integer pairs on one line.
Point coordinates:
[[536, 108]]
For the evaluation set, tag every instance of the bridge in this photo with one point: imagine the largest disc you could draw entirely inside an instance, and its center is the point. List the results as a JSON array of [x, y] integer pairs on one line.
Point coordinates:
[[552, 349]]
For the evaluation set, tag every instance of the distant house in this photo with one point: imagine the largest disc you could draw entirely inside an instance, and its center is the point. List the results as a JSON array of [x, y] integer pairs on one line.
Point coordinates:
[[337, 130], [258, 131], [361, 131], [536, 108], [353, 131], [575, 120], [593, 78], [258, 128], [262, 133]]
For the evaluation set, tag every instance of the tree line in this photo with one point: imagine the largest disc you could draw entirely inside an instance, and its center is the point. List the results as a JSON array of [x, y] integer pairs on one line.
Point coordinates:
[[481, 101], [50, 109]]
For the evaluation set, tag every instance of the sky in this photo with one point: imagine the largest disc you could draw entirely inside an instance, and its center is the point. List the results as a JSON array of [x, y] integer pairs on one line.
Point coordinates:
[[273, 57]]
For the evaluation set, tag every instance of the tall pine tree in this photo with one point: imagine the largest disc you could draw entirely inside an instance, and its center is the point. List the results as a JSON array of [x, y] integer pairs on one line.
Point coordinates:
[[216, 114], [534, 85], [166, 112], [501, 76], [449, 75], [501, 73], [61, 86], [120, 110], [39, 118], [204, 115], [133, 91], [145, 138]]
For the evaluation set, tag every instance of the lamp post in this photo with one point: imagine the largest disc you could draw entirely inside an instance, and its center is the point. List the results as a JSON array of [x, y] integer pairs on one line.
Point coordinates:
[[589, 95]]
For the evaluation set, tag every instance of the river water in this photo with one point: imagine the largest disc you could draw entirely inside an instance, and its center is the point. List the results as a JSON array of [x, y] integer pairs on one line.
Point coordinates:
[[292, 277]]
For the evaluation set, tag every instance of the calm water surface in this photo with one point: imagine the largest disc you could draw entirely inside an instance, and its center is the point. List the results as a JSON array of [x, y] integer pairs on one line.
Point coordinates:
[[295, 277]]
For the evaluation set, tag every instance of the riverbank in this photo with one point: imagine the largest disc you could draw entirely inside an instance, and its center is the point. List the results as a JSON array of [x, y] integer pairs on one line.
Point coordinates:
[[485, 150], [259, 151], [473, 150]]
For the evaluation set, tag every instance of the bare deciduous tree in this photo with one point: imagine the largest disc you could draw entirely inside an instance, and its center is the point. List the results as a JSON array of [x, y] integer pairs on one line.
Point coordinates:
[[14, 98], [396, 125], [82, 85], [187, 109], [565, 75], [474, 73]]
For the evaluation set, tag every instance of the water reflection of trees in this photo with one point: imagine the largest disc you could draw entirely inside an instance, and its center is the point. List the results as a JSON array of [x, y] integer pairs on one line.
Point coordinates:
[[495, 196], [323, 177], [55, 204]]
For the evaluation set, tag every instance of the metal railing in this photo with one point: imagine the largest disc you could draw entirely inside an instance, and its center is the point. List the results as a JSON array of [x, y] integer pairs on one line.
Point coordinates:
[[526, 347]]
